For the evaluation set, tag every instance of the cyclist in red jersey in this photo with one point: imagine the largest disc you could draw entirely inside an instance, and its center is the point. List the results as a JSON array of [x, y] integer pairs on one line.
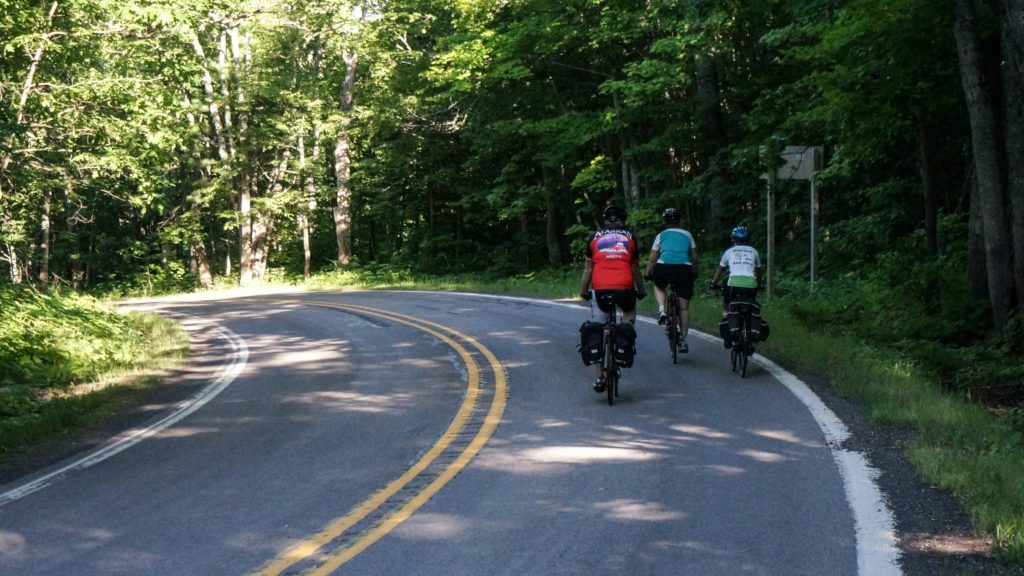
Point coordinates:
[[611, 273]]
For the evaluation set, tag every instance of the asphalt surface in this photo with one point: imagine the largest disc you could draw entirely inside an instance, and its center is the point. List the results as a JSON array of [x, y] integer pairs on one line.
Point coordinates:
[[693, 471]]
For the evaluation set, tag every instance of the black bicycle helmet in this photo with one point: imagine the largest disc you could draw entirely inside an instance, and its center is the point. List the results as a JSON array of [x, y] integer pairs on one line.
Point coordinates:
[[740, 235], [613, 213], [671, 216]]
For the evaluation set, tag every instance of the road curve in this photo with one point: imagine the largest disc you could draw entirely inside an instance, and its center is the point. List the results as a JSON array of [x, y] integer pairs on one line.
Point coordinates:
[[429, 433]]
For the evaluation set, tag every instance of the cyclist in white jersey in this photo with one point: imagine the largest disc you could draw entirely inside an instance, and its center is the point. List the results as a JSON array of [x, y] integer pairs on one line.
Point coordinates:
[[743, 264], [673, 260]]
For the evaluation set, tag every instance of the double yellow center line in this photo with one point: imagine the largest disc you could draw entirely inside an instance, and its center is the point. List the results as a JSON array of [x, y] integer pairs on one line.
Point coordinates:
[[331, 561]]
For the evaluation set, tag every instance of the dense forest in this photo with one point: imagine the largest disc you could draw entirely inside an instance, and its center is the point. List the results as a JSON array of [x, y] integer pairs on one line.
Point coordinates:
[[171, 143]]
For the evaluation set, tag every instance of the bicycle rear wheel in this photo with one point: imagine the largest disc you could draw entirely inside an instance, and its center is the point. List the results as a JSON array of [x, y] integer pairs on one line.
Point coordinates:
[[744, 344], [672, 328], [673, 336], [611, 371], [744, 356]]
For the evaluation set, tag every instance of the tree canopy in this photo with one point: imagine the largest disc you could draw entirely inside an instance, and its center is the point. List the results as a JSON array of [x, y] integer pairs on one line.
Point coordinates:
[[170, 142]]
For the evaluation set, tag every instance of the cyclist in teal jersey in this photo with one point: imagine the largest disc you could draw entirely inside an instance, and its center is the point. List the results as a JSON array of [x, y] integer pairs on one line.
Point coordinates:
[[673, 260]]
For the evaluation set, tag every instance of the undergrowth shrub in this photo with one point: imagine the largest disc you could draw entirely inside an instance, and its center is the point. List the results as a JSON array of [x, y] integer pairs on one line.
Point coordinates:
[[54, 340]]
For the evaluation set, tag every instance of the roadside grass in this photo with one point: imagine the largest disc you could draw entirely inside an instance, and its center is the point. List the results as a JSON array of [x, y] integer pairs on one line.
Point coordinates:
[[959, 444], [67, 361]]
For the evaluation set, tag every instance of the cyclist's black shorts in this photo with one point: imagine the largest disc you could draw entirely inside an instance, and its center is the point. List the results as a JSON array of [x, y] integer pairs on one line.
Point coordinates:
[[607, 300], [680, 276], [732, 293]]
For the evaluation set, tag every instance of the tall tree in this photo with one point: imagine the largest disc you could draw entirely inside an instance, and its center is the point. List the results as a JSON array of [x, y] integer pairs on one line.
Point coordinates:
[[988, 167]]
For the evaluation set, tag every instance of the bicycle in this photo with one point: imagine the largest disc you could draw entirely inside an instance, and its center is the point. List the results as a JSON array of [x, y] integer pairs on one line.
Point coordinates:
[[740, 332], [609, 367], [673, 326]]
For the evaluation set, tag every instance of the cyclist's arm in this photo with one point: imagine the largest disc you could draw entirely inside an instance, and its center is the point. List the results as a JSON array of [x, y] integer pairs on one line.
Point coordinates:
[[638, 279], [588, 274], [651, 261], [694, 263], [718, 274]]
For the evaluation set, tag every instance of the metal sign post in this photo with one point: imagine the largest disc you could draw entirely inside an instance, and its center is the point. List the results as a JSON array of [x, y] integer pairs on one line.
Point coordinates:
[[799, 163]]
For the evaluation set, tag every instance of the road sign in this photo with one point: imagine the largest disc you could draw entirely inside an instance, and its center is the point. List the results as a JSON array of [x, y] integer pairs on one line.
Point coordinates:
[[799, 163]]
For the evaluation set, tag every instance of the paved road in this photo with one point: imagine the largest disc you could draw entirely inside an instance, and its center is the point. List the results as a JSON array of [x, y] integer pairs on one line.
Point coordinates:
[[372, 433]]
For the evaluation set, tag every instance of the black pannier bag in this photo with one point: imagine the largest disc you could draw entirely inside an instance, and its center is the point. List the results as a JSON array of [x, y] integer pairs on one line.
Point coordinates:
[[625, 344], [732, 325], [723, 329], [758, 328], [590, 346]]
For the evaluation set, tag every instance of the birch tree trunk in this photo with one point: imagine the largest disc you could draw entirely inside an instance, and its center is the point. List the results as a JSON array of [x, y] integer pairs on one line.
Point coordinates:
[[241, 58], [44, 245], [211, 99], [26, 89], [309, 185], [245, 230], [986, 151], [343, 167], [303, 216]]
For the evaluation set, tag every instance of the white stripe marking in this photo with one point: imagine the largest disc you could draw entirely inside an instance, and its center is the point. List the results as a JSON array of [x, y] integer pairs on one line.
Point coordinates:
[[240, 356]]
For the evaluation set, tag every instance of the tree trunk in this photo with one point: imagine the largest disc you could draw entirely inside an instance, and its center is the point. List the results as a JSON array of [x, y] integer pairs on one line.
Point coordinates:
[[10, 256], [305, 212], [197, 246], [343, 167], [986, 152], [629, 168], [976, 274], [712, 134], [264, 226], [1012, 20], [26, 89], [211, 99], [929, 181], [44, 245], [198, 250], [245, 231], [552, 233]]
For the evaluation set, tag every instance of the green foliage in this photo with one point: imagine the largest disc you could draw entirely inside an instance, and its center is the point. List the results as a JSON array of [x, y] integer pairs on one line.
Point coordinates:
[[154, 280], [55, 341], [51, 342]]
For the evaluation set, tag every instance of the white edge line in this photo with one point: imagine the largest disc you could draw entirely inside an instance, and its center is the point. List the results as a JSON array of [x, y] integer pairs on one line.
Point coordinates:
[[130, 438], [877, 550]]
